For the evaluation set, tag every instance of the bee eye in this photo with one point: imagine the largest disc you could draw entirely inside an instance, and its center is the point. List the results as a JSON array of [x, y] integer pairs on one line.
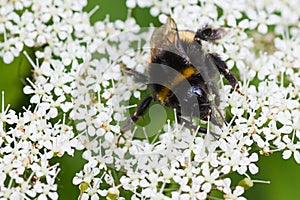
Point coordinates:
[[207, 32]]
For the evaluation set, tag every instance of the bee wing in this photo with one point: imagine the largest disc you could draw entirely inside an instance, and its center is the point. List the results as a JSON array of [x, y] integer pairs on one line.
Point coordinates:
[[208, 70], [166, 38]]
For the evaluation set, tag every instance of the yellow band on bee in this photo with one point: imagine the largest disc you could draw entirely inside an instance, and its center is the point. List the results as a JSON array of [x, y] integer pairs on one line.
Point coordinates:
[[185, 74], [186, 36]]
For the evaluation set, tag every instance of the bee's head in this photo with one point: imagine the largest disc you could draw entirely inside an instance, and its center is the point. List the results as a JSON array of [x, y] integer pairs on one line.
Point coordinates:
[[209, 34]]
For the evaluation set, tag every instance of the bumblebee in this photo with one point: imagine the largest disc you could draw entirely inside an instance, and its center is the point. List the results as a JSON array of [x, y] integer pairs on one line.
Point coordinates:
[[182, 75]]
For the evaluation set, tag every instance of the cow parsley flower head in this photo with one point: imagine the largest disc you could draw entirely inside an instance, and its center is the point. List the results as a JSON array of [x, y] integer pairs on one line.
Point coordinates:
[[80, 100]]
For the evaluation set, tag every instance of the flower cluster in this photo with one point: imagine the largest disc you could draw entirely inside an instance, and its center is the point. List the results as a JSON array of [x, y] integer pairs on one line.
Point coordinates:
[[80, 100]]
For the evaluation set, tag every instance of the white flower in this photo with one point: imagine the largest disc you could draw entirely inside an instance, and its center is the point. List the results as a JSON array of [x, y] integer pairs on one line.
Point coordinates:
[[292, 148], [232, 195], [262, 19], [87, 175], [209, 177]]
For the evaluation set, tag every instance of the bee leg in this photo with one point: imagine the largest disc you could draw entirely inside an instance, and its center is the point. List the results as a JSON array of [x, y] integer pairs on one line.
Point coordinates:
[[138, 77], [189, 125], [223, 69], [140, 112], [215, 121], [222, 117]]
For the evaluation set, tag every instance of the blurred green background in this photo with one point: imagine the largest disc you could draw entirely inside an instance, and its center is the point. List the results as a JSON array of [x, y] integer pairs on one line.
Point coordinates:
[[284, 175]]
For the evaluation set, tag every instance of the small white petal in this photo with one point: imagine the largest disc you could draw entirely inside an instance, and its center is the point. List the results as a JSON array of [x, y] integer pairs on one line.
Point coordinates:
[[297, 156], [231, 20], [130, 3], [253, 168], [262, 28], [238, 191], [286, 154], [28, 89], [244, 23], [144, 183], [109, 136], [8, 57], [206, 187], [35, 99]]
